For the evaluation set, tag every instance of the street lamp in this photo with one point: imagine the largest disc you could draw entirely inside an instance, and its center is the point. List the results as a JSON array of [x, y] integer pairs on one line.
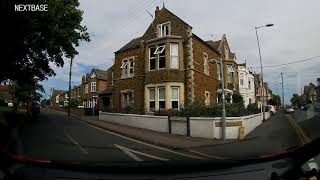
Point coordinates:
[[223, 119], [262, 88]]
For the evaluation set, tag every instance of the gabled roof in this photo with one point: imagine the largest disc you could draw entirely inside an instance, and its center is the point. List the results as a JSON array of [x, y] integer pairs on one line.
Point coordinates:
[[100, 74], [134, 43], [214, 44], [56, 91], [205, 42]]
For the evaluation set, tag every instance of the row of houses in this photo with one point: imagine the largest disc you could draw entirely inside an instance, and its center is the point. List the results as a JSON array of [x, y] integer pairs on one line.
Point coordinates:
[[166, 68]]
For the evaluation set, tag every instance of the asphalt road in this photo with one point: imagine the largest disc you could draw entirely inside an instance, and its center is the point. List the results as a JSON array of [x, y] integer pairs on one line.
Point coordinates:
[[56, 137]]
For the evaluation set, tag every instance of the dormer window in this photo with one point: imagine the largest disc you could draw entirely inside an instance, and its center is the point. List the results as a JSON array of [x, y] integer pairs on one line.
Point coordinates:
[[164, 29]]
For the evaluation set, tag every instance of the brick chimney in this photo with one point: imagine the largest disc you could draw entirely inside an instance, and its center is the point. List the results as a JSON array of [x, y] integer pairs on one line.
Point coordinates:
[[156, 11]]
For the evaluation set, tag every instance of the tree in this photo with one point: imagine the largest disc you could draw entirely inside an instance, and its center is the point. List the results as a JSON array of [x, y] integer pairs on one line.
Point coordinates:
[[237, 98], [74, 102], [295, 100], [35, 39]]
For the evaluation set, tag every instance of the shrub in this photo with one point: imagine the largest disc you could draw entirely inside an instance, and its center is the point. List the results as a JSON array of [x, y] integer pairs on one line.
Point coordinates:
[[132, 110], [253, 108]]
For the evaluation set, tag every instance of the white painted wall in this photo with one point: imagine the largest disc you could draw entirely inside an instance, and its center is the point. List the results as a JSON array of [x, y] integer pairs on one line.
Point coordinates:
[[246, 92], [155, 123], [203, 127], [179, 125]]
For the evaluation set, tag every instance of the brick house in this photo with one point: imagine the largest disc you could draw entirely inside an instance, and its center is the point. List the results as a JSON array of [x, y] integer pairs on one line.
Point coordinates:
[[230, 68], [56, 98], [169, 67], [91, 85]]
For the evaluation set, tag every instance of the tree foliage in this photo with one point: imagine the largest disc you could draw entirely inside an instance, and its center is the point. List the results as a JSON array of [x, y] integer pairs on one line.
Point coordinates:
[[34, 39]]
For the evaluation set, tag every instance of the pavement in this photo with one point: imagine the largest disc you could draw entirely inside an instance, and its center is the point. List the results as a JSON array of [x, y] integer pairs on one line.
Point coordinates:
[[54, 136]]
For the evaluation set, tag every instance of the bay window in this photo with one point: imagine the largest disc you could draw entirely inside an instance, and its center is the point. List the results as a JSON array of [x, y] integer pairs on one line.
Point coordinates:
[[152, 58], [219, 71], [175, 98], [174, 55], [230, 73], [162, 98], [152, 96]]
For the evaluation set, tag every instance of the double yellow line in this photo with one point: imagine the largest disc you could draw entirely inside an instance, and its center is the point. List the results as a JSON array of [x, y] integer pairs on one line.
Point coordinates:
[[302, 136]]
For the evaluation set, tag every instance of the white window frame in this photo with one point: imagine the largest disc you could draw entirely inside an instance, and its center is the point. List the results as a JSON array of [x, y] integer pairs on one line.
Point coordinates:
[[178, 97], [161, 31], [164, 88], [249, 84], [230, 74], [158, 59], [93, 87], [206, 64], [154, 98], [174, 65], [152, 58], [207, 98], [160, 49], [242, 79], [125, 99], [86, 88], [126, 67]]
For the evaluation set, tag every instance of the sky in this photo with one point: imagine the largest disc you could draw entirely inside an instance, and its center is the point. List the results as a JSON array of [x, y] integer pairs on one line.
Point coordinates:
[[295, 35]]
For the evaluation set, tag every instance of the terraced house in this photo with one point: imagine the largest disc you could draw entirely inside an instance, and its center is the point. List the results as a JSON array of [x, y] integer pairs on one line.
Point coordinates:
[[169, 66], [92, 84]]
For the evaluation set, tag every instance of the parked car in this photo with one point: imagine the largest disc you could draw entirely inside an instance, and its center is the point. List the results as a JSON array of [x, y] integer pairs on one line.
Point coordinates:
[[303, 108], [272, 109], [288, 109]]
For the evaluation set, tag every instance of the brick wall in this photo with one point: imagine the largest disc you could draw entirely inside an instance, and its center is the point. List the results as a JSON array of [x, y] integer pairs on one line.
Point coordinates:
[[202, 81], [136, 83]]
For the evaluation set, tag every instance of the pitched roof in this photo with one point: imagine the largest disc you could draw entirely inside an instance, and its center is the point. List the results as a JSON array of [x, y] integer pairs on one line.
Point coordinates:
[[134, 43], [214, 44], [55, 91], [206, 43], [100, 74]]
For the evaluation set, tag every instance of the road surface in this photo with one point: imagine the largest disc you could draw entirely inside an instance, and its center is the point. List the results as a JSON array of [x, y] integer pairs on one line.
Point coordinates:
[[54, 136]]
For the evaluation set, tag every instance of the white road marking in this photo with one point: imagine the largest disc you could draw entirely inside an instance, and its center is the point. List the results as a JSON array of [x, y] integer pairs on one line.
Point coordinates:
[[146, 144], [76, 143], [130, 152], [207, 155]]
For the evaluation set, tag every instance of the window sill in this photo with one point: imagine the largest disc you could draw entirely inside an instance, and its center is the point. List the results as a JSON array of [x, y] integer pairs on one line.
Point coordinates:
[[130, 77]]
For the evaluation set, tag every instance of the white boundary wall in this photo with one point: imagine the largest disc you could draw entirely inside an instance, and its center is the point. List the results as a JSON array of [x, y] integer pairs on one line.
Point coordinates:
[[155, 123], [205, 127]]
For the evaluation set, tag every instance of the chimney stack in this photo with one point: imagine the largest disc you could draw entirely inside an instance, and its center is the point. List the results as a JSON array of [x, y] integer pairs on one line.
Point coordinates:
[[156, 11]]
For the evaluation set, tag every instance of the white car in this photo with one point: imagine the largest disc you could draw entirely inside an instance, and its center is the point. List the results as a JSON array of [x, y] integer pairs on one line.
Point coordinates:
[[272, 110], [288, 109]]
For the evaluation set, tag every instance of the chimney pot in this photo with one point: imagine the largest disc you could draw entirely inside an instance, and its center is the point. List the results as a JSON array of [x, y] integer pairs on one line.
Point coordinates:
[[157, 11]]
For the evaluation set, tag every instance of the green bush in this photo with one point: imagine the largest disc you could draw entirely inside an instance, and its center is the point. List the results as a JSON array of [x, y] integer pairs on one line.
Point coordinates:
[[253, 108], [132, 110]]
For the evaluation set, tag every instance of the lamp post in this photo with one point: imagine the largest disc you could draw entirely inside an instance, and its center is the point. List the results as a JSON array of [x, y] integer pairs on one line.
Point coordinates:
[[69, 92], [223, 119], [262, 86]]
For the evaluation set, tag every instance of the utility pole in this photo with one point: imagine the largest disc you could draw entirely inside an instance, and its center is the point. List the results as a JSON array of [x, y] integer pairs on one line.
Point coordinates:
[[282, 89], [223, 120], [69, 93]]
